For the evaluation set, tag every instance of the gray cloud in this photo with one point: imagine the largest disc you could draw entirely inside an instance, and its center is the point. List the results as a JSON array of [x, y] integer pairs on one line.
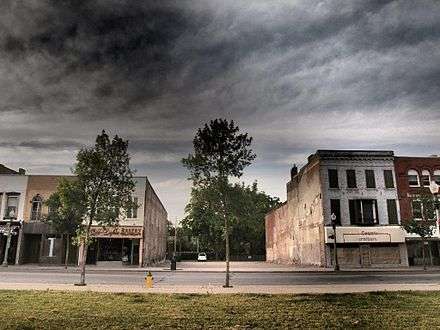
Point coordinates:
[[297, 75]]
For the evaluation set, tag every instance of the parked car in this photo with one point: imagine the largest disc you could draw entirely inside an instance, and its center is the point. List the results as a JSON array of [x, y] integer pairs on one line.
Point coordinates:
[[202, 257]]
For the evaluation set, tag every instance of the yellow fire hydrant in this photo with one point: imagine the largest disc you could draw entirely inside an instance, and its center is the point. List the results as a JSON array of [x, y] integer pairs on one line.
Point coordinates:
[[149, 280]]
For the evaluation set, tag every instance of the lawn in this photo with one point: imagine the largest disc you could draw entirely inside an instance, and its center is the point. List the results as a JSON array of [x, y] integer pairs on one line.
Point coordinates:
[[56, 310]]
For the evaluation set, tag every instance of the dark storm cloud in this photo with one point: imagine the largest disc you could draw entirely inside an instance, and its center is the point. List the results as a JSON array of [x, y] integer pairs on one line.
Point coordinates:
[[297, 75]]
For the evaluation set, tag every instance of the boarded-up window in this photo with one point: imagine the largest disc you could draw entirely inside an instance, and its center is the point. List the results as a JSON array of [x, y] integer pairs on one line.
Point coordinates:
[[392, 212], [351, 179], [333, 178], [389, 179], [370, 179], [335, 208]]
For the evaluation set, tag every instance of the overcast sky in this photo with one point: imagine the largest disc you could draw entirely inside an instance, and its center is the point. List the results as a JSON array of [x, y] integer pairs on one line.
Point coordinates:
[[296, 75]]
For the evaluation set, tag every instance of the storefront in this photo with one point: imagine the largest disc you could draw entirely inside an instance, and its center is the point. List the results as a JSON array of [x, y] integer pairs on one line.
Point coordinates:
[[13, 228], [116, 245], [363, 247]]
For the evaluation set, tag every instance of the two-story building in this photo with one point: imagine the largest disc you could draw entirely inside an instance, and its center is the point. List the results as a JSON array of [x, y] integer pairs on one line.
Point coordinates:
[[138, 239], [414, 176], [12, 204], [359, 188]]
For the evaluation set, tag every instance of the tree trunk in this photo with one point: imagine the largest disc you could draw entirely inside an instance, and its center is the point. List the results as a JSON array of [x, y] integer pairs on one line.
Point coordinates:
[[85, 246], [227, 285], [423, 254], [66, 261]]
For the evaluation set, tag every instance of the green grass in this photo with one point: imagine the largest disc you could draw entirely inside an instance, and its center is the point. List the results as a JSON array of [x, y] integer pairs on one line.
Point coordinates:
[[68, 310]]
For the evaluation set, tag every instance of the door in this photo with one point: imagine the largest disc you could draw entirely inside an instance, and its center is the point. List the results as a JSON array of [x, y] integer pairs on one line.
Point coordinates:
[[31, 253], [365, 255]]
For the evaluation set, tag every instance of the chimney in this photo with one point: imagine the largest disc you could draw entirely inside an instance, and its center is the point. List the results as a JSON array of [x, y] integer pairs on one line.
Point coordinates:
[[293, 171], [21, 171]]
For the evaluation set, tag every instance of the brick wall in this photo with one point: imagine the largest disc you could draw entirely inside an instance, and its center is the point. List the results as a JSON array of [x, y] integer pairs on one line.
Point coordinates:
[[402, 165]]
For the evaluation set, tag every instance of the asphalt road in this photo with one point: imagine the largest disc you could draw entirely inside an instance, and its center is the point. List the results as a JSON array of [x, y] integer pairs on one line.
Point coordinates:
[[200, 278]]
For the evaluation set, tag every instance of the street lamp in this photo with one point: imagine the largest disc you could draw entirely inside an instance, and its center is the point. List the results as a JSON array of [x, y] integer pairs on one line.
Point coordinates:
[[434, 188], [335, 251]]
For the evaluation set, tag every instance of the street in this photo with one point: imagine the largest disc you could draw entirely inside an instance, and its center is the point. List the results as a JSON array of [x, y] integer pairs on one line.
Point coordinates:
[[216, 278]]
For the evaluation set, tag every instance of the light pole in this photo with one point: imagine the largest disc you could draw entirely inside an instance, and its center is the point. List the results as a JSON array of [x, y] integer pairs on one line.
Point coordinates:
[[434, 188], [335, 251], [7, 233]]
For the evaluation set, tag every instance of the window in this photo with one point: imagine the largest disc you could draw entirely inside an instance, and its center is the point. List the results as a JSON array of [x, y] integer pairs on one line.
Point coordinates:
[[363, 211], [417, 209], [388, 178], [392, 212], [423, 211], [426, 178], [413, 178], [351, 179], [335, 208], [370, 179], [436, 177], [132, 212], [11, 207], [333, 178], [37, 203]]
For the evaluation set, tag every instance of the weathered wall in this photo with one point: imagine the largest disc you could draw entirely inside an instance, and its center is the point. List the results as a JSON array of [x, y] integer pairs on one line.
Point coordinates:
[[155, 227], [295, 231]]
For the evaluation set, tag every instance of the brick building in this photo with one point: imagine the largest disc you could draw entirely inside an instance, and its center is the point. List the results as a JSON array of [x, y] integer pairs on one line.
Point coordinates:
[[414, 175], [139, 238], [359, 187]]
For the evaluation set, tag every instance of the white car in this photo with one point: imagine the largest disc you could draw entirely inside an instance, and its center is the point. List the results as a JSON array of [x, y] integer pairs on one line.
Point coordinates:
[[202, 257]]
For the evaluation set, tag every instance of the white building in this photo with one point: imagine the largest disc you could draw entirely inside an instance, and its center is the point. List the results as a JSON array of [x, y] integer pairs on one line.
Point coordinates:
[[12, 204]]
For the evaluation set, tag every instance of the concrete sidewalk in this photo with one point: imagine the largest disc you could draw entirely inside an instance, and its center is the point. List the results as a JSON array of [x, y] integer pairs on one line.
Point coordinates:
[[214, 267], [211, 289]]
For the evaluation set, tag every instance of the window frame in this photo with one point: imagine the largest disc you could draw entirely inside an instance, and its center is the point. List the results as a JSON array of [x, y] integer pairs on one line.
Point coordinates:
[[8, 205], [334, 202], [358, 210], [425, 174], [387, 176], [436, 176], [372, 178], [351, 178], [410, 173], [330, 176], [37, 199], [392, 203]]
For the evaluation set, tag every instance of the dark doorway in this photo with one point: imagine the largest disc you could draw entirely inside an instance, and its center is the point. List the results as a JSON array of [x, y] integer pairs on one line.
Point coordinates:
[[31, 252], [110, 249]]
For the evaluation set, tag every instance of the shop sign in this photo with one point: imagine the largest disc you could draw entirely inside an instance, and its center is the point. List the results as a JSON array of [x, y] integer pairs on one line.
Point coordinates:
[[385, 234], [116, 232]]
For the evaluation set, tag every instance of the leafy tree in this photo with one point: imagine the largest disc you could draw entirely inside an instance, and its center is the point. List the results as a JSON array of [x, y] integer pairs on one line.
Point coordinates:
[[423, 227], [249, 207], [106, 182], [220, 152], [66, 209]]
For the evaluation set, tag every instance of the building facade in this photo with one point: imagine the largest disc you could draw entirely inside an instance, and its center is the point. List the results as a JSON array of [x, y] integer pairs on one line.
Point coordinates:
[[359, 188], [138, 239], [12, 204], [414, 175]]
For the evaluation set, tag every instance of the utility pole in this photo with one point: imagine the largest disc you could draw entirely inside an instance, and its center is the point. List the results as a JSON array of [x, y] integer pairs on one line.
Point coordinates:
[[175, 237], [335, 249]]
